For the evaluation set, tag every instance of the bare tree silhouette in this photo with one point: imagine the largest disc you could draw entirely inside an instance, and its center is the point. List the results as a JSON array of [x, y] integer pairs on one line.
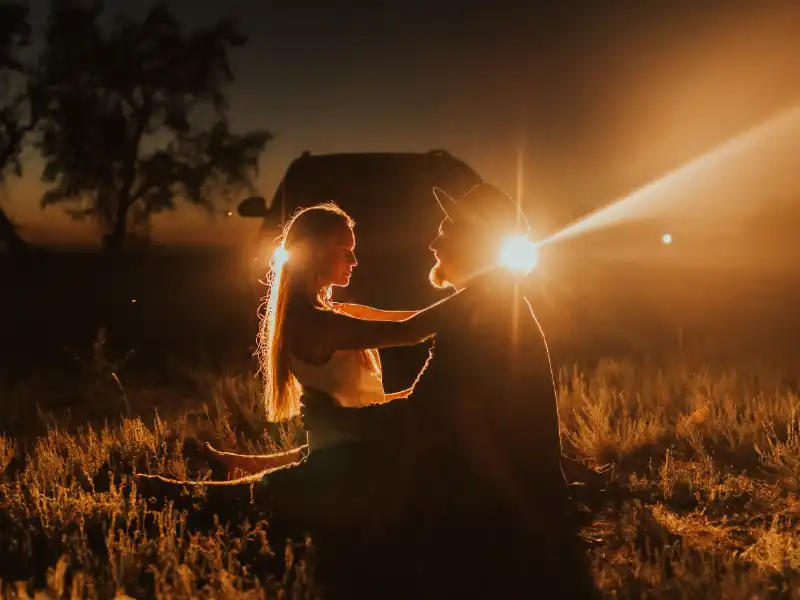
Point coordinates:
[[19, 108], [137, 118]]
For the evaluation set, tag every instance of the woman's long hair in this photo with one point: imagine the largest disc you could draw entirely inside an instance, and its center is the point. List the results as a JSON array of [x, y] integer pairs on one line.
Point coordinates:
[[292, 273]]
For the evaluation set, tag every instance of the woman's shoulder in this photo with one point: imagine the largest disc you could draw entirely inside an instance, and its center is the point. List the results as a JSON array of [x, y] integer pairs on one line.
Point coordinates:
[[309, 331], [302, 323], [303, 313]]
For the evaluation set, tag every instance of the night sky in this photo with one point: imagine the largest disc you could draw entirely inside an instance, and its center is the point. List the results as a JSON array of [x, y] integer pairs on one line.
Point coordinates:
[[598, 97]]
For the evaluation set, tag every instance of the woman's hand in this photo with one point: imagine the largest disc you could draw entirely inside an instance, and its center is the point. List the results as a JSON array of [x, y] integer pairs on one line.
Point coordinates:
[[399, 395]]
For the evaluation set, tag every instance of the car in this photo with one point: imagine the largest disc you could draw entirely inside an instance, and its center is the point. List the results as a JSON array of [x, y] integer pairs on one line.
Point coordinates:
[[390, 197]]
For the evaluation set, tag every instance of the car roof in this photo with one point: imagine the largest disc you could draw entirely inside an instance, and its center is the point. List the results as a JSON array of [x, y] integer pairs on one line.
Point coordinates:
[[311, 178]]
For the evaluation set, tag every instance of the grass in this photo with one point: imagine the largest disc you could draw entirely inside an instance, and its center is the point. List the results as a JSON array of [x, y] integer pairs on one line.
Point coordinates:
[[73, 526], [690, 486], [703, 468]]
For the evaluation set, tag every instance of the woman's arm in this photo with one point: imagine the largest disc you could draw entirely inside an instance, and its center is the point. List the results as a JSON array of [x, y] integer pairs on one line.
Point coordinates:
[[369, 313], [319, 333]]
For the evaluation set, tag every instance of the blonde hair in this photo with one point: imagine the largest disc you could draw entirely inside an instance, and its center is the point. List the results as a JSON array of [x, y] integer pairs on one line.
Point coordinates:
[[303, 238]]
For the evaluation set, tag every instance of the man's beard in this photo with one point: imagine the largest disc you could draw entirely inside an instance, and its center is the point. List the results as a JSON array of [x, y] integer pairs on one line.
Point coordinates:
[[438, 277]]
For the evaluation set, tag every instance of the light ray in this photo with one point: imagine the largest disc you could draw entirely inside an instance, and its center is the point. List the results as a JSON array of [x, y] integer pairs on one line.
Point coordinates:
[[640, 203]]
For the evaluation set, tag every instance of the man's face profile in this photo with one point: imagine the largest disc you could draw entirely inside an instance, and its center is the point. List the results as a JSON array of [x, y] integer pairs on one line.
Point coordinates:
[[458, 254], [470, 236], [438, 274]]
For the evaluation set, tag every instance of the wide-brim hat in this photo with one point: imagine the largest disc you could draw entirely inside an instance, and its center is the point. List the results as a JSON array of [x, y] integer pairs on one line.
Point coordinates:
[[484, 205]]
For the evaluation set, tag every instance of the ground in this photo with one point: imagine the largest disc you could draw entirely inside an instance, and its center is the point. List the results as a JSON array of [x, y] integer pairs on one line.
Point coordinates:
[[686, 449]]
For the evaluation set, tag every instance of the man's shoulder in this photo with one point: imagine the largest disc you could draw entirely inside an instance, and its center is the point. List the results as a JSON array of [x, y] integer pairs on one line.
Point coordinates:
[[499, 344], [490, 334], [507, 316]]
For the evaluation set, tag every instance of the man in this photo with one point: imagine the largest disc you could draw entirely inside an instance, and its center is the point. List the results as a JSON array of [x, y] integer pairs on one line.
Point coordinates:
[[503, 394], [490, 368], [478, 440]]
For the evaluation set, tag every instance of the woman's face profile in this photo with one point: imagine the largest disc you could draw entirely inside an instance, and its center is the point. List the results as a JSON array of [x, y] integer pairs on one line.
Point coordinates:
[[337, 259]]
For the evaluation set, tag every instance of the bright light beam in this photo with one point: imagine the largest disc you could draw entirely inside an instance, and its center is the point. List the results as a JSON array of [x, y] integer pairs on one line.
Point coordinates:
[[626, 207]]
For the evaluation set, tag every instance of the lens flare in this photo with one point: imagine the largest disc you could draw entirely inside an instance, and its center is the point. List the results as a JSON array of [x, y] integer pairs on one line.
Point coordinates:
[[519, 254], [279, 258]]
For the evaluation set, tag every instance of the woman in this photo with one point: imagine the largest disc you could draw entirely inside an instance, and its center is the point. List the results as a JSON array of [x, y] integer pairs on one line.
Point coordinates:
[[307, 341]]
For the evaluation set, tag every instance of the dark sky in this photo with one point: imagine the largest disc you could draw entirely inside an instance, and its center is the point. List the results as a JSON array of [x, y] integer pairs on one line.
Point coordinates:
[[599, 96]]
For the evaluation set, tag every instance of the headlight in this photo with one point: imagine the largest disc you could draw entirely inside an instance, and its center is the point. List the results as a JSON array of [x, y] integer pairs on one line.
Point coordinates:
[[279, 258], [260, 259], [519, 254]]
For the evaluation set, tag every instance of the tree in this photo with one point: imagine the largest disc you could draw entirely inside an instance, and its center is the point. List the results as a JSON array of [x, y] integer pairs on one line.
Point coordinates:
[[19, 111], [137, 118]]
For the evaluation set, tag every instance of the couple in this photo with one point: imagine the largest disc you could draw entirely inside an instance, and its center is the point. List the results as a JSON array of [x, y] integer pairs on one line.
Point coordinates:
[[459, 475]]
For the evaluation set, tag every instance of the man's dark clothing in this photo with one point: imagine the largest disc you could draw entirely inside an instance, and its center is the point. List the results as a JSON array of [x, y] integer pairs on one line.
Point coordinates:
[[474, 455]]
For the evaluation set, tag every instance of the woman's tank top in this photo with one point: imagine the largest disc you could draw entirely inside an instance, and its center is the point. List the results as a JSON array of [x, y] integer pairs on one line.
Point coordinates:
[[346, 379]]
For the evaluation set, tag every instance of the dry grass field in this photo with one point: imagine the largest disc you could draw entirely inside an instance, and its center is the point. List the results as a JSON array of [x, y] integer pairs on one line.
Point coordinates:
[[687, 468]]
